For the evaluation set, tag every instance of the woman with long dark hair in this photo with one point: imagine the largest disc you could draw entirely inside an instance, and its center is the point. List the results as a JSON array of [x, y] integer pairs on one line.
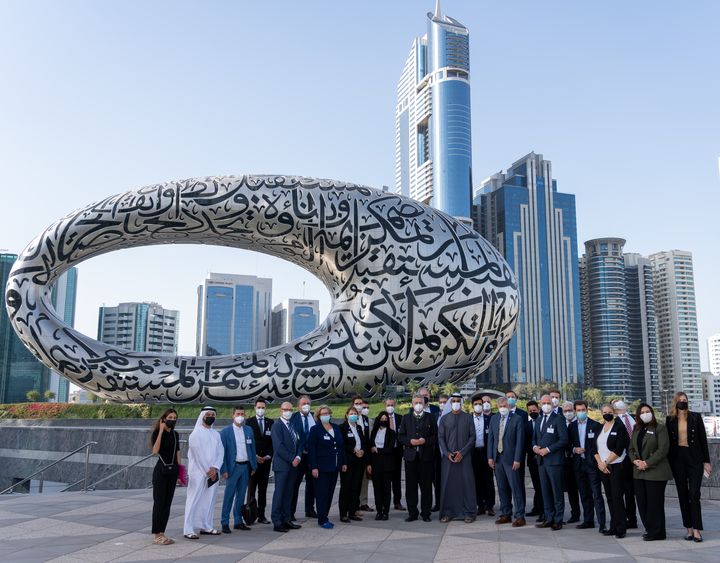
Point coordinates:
[[355, 441], [689, 458], [648, 451], [165, 443], [382, 463]]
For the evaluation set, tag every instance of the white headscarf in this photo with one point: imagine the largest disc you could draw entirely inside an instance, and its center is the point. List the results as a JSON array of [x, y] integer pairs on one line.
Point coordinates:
[[205, 449]]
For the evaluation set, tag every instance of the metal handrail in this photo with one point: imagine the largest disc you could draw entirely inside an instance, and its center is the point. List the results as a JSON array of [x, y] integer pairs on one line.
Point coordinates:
[[92, 486], [42, 470]]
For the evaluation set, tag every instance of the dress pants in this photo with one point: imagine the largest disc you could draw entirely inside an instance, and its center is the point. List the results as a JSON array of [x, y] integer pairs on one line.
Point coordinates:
[[324, 489], [235, 489], [303, 470], [509, 488], [629, 492], [419, 474], [163, 493], [397, 477], [350, 483], [551, 477], [437, 475], [382, 486], [571, 488], [532, 465], [484, 487], [259, 482], [282, 497], [651, 505], [364, 490], [589, 486], [615, 493], [688, 478]]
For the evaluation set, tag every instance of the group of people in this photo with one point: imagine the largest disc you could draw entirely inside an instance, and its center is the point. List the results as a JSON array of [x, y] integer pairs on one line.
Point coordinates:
[[461, 455]]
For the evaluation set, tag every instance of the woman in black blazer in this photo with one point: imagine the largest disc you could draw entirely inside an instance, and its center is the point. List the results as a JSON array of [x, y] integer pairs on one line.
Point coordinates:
[[355, 441], [326, 457], [689, 458], [611, 450], [382, 463]]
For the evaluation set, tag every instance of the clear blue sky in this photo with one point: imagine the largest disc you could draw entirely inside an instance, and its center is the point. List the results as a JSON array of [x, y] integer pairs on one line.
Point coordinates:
[[100, 97]]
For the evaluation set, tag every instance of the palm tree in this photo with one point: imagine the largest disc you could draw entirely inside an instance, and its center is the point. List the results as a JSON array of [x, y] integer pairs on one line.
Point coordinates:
[[434, 390], [449, 388]]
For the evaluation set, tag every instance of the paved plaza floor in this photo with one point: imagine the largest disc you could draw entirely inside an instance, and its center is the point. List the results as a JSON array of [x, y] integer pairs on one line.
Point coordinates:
[[115, 526]]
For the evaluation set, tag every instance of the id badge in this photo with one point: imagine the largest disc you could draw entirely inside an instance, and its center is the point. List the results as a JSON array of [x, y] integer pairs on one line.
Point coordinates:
[[248, 441], [591, 434], [550, 430], [268, 433], [326, 437]]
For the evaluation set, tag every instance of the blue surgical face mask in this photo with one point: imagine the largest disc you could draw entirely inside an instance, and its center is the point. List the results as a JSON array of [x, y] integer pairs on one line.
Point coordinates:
[[352, 418], [512, 402], [582, 415], [324, 418]]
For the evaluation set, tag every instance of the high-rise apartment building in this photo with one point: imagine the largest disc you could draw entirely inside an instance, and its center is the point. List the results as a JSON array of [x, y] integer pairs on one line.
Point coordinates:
[[142, 327], [714, 353], [233, 314], [433, 154], [678, 347], [711, 392], [294, 318], [533, 226], [619, 325]]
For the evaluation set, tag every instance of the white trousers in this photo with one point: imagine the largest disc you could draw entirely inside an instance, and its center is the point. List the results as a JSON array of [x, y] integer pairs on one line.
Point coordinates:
[[199, 504]]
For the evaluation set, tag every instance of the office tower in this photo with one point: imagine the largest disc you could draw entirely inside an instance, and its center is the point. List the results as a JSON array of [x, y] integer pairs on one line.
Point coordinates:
[[233, 314], [678, 347], [533, 226], [63, 295], [711, 392], [433, 160], [294, 318], [142, 327], [714, 353], [619, 326]]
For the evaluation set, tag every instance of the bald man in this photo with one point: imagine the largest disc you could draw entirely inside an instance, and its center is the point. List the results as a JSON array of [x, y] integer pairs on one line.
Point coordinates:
[[287, 448]]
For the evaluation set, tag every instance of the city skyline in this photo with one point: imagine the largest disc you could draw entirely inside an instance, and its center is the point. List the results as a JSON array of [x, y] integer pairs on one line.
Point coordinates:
[[60, 140]]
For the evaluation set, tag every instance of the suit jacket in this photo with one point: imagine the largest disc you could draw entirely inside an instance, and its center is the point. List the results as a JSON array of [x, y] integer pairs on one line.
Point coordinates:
[[398, 421], [553, 436], [384, 458], [285, 447], [654, 451], [618, 439], [529, 431], [697, 438], [227, 436], [326, 453], [413, 428], [521, 413], [351, 445], [513, 439], [486, 427], [296, 422], [592, 430], [263, 442]]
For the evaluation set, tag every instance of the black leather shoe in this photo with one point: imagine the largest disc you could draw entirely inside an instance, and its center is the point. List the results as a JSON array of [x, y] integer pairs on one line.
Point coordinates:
[[411, 519], [652, 538], [282, 529], [544, 524], [697, 539], [608, 532], [311, 514], [366, 508], [620, 535], [585, 526], [490, 512], [385, 516], [292, 526], [263, 520], [428, 519], [399, 506], [573, 520], [356, 518], [345, 520], [378, 516], [556, 527], [293, 519], [226, 529], [540, 518], [241, 526], [602, 531], [435, 508]]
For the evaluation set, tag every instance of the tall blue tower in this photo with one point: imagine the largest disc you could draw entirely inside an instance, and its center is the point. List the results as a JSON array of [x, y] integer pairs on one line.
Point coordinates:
[[433, 149]]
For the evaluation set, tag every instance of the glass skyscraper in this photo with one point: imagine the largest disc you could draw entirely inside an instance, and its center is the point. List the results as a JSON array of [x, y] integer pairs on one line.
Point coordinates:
[[433, 151], [63, 295], [533, 225], [233, 314], [294, 318], [141, 327]]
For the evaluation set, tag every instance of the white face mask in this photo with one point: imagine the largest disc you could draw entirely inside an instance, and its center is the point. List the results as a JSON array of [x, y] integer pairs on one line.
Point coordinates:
[[287, 415], [487, 407], [504, 411], [305, 408], [478, 408], [365, 411], [418, 407], [260, 412], [390, 410], [569, 415], [358, 408], [547, 409], [442, 405], [555, 401], [239, 420], [646, 417], [620, 406], [456, 406]]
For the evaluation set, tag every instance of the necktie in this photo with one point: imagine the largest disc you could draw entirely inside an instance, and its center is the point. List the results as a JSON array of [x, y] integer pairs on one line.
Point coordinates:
[[627, 424], [292, 433], [305, 425], [261, 422], [500, 437], [542, 425], [392, 421]]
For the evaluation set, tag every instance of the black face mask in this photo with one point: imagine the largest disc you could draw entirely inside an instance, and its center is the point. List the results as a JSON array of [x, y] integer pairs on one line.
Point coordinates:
[[170, 424], [383, 423], [210, 420], [534, 415], [608, 416], [682, 405]]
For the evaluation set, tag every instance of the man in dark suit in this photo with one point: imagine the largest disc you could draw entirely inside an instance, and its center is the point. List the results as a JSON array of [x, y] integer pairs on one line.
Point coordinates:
[[302, 421], [514, 409], [569, 481], [556, 401], [484, 487], [549, 442], [363, 409], [538, 508], [418, 435], [262, 429], [583, 433], [434, 410], [506, 452], [287, 454], [394, 424]]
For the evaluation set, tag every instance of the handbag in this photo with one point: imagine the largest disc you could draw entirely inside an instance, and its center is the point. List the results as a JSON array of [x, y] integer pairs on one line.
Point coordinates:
[[169, 469]]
